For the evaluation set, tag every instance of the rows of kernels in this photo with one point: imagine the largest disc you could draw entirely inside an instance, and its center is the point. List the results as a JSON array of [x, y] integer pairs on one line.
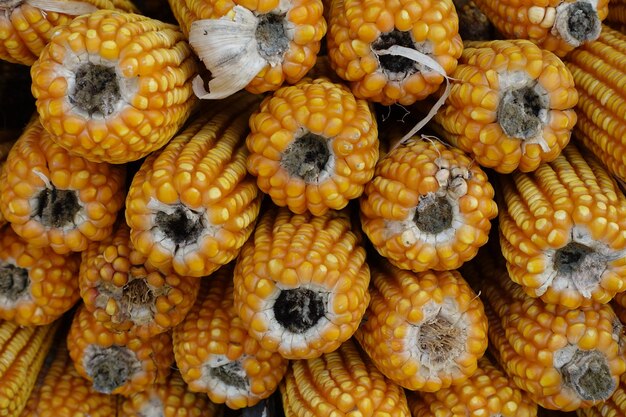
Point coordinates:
[[538, 214], [24, 349], [212, 330], [355, 25], [599, 71], [532, 20], [61, 391], [288, 251], [342, 382], [154, 355], [398, 301], [35, 162], [470, 117], [488, 392], [204, 169], [26, 29], [109, 266], [171, 399], [325, 109], [306, 26], [154, 56], [526, 334], [52, 287], [401, 179]]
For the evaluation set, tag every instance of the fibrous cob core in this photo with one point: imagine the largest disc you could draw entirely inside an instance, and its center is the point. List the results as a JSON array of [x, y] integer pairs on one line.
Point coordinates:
[[308, 158], [138, 300], [433, 214], [10, 4], [14, 281], [181, 225], [230, 373], [300, 309], [271, 38], [56, 208], [397, 67], [96, 90], [577, 22], [586, 372], [522, 112], [440, 336], [110, 367]]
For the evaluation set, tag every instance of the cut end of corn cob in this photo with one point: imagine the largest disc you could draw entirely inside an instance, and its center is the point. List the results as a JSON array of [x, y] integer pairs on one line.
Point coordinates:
[[55, 208], [307, 158], [110, 367], [577, 22], [14, 283], [97, 90], [586, 372], [523, 108]]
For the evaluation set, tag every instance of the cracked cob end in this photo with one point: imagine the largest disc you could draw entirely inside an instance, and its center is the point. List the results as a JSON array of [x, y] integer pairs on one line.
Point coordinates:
[[577, 22]]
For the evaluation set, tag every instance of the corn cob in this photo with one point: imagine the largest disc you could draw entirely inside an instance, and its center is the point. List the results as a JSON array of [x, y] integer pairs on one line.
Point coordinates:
[[599, 70], [488, 392], [61, 392], [617, 15], [424, 331], [619, 306], [555, 25], [113, 87], [613, 407], [313, 146], [564, 358], [114, 362], [55, 199], [125, 294], [216, 355], [363, 33], [26, 26], [563, 231], [169, 399], [22, 355], [36, 285], [342, 382], [512, 107], [257, 45], [192, 205], [301, 282], [428, 207]]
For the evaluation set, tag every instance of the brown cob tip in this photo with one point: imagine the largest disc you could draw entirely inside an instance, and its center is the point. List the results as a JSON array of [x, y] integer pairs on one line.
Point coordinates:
[[96, 90], [308, 157], [14, 282], [437, 213], [586, 372], [579, 264], [395, 67], [222, 370], [440, 337], [110, 367], [523, 108], [10, 4], [179, 225], [300, 309], [55, 208], [577, 22]]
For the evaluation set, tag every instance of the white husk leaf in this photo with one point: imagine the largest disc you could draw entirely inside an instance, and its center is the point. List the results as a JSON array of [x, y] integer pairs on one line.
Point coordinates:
[[72, 8], [426, 61], [228, 49]]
